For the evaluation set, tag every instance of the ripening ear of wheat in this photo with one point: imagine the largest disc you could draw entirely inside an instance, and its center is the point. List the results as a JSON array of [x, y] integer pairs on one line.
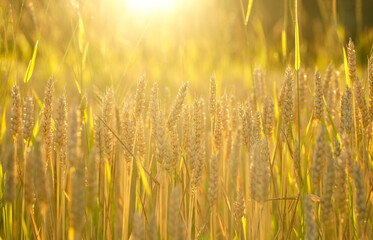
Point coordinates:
[[47, 128], [259, 172], [247, 123], [154, 107], [16, 114], [92, 178], [327, 191], [61, 125], [218, 134], [10, 162], [107, 117], [360, 96], [197, 153], [28, 118], [141, 147], [347, 115], [213, 180], [140, 97], [29, 189], [151, 227], [41, 179], [239, 207], [138, 232], [256, 131], [319, 102], [286, 102], [340, 184], [319, 160], [351, 57], [128, 134], [360, 193], [311, 227], [174, 225], [177, 106], [212, 97], [225, 114], [235, 159], [268, 116], [296, 159]]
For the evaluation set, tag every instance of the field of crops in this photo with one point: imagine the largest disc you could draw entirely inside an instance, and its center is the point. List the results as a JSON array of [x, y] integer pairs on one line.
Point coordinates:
[[158, 119]]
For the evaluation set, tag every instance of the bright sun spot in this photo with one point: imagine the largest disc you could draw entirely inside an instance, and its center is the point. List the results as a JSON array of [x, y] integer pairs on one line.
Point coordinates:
[[153, 5]]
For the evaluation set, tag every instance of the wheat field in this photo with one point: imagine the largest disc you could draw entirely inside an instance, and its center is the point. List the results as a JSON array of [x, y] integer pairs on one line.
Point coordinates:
[[286, 156]]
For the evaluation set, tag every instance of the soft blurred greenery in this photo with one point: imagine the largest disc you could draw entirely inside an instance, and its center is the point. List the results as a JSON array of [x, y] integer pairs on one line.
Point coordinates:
[[105, 42]]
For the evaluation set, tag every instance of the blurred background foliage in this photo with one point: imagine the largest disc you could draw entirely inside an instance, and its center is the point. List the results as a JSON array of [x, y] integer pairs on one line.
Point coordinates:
[[105, 42]]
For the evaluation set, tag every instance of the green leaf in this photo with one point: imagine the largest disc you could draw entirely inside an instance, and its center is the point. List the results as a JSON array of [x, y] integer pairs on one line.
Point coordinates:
[[346, 67], [3, 126], [283, 43], [37, 99], [143, 177], [275, 99], [24, 227], [330, 119], [309, 125], [244, 223], [31, 64], [249, 7], [77, 85], [91, 133], [35, 132], [108, 171], [297, 54]]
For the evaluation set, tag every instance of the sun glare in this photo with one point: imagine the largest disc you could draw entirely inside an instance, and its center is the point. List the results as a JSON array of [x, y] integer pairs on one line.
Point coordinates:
[[153, 5]]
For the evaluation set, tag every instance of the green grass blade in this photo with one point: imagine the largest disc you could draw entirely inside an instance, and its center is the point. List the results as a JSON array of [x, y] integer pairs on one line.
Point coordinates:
[[37, 99], [248, 12], [346, 67], [330, 119], [108, 171], [143, 178], [244, 223], [283, 43], [297, 54], [35, 132], [308, 126], [3, 126], [31, 64], [78, 86], [91, 133]]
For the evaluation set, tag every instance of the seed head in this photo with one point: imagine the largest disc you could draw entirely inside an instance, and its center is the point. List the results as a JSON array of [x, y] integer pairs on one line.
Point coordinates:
[[16, 114]]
